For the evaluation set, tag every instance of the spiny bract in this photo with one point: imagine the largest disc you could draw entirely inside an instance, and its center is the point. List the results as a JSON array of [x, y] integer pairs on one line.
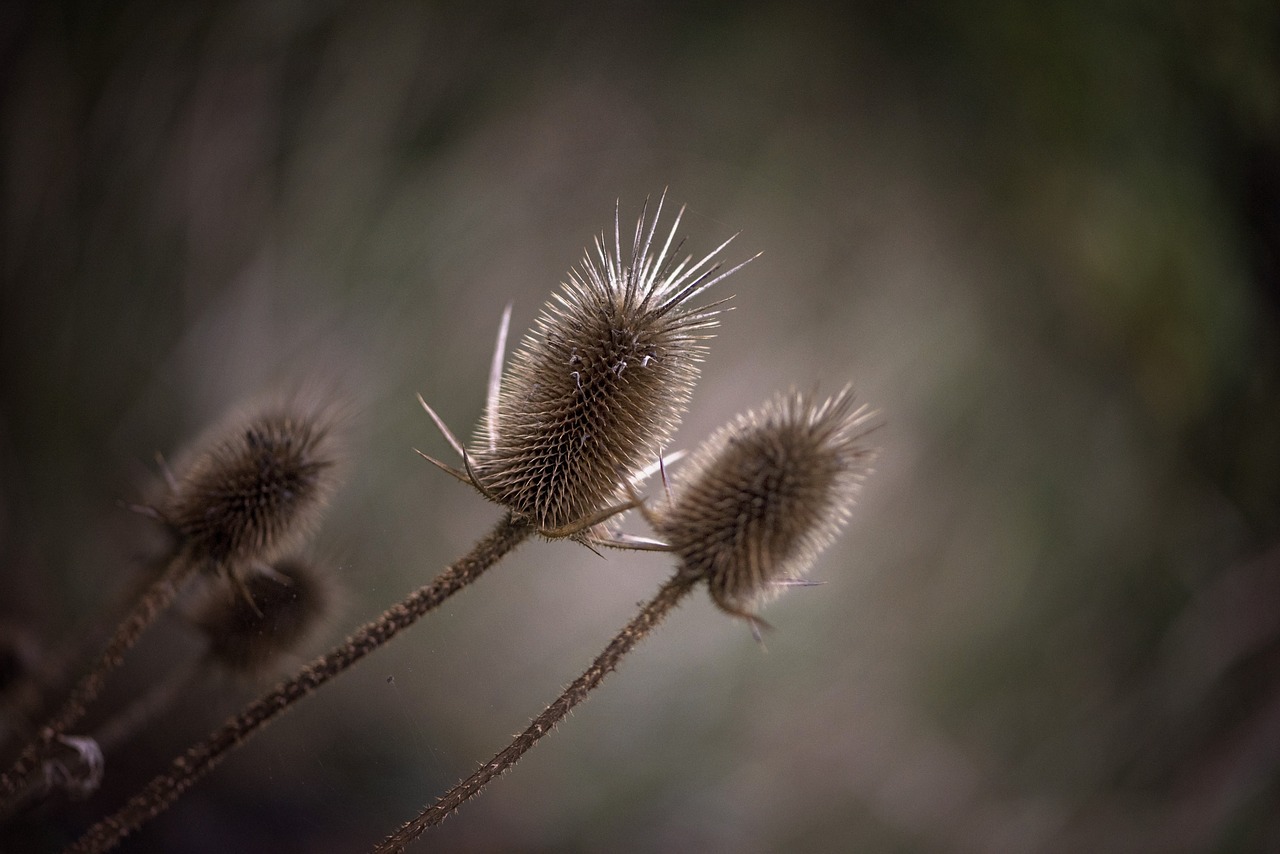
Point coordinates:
[[598, 386], [765, 494]]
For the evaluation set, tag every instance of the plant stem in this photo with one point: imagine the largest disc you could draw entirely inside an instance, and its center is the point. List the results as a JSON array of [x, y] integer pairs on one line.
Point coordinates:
[[202, 758], [157, 700], [635, 631], [157, 598]]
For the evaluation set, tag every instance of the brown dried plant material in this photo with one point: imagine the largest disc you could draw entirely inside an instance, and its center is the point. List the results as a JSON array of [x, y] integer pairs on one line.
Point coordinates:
[[248, 495], [765, 494], [763, 497], [255, 491], [598, 387], [281, 608], [204, 756]]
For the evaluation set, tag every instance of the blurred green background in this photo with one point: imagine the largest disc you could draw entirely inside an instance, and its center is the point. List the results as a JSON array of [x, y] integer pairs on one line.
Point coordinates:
[[1042, 238]]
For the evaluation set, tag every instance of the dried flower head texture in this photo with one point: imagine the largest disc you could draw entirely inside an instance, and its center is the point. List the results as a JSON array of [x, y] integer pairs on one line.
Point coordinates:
[[765, 494], [598, 386], [253, 493], [246, 633]]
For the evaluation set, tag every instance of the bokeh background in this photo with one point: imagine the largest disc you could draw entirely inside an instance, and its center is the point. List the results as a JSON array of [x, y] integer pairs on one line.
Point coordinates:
[[1042, 238]]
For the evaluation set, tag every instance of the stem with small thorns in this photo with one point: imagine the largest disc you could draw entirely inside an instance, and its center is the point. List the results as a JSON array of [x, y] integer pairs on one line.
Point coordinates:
[[157, 598], [671, 593], [200, 759]]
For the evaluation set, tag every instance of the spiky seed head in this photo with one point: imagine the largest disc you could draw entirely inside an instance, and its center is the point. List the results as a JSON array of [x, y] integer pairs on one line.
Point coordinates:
[[268, 614], [255, 490], [765, 494], [598, 386]]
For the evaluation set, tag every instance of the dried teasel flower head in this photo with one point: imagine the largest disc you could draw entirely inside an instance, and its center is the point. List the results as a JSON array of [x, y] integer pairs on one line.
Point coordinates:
[[254, 490], [271, 614], [764, 495], [597, 388]]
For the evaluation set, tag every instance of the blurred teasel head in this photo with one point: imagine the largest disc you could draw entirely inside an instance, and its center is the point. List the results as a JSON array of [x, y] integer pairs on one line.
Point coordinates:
[[765, 494], [597, 388], [253, 491], [271, 615]]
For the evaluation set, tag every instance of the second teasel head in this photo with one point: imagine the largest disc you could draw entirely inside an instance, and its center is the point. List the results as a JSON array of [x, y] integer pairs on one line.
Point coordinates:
[[254, 490], [764, 495], [597, 388], [271, 615]]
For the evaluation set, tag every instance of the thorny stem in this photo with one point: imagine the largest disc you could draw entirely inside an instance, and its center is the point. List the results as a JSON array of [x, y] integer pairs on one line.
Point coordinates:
[[635, 631], [157, 598], [205, 756]]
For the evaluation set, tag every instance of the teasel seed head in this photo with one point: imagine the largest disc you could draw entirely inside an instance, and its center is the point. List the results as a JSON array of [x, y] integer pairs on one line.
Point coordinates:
[[268, 614], [764, 495], [599, 385], [254, 491]]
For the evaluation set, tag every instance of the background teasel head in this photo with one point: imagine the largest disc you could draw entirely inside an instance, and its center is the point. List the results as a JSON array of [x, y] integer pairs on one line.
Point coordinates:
[[598, 386], [253, 491], [279, 609], [765, 494]]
